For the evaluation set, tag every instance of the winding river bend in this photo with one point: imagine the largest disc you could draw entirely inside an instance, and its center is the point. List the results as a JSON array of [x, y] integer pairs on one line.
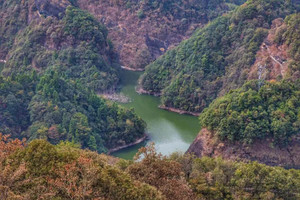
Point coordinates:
[[169, 131]]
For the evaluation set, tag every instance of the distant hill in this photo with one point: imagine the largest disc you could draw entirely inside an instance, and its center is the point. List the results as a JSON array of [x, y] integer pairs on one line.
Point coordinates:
[[141, 31]]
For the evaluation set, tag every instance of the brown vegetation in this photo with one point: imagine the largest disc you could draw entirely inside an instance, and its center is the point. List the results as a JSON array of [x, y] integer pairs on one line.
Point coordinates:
[[206, 144], [140, 33], [43, 171]]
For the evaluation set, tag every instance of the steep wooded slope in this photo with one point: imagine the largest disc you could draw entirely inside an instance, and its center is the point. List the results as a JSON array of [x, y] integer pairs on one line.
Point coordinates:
[[253, 124], [261, 120], [216, 58], [76, 46], [55, 62]]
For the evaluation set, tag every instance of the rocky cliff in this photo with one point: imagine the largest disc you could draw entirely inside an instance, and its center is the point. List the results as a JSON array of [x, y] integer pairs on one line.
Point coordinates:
[[261, 150], [272, 58]]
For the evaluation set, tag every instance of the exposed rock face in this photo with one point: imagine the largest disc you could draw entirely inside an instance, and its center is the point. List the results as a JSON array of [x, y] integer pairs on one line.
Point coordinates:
[[141, 38], [272, 57], [262, 151]]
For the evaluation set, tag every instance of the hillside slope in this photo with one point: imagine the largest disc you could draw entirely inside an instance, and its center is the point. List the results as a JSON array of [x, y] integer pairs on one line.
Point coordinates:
[[143, 30], [253, 124], [43, 171], [56, 59], [216, 59], [261, 120], [262, 151], [76, 45]]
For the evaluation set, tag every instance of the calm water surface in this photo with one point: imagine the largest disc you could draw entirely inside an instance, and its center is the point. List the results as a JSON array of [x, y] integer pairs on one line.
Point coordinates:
[[169, 131]]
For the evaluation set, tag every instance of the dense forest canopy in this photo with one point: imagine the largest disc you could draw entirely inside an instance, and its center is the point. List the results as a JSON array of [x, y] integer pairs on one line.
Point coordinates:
[[251, 113], [49, 84], [53, 108], [256, 112], [76, 46], [14, 16], [216, 58], [59, 59]]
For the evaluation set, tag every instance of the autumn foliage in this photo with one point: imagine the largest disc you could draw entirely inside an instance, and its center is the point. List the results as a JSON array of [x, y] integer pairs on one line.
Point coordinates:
[[40, 170], [156, 170], [44, 171]]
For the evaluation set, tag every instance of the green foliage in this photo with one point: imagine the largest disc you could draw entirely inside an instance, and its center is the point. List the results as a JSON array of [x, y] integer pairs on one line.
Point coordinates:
[[84, 55], [248, 114], [13, 18], [141, 14], [84, 27], [71, 112], [41, 157], [15, 95], [214, 178], [54, 70], [215, 59], [42, 170]]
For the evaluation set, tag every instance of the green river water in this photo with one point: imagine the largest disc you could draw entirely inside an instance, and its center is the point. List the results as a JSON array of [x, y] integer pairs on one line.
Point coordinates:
[[169, 131]]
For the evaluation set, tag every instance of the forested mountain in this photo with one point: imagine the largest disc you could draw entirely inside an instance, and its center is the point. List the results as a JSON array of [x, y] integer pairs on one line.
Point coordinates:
[[263, 115], [56, 58], [239, 71], [40, 170], [142, 30], [216, 58], [76, 46]]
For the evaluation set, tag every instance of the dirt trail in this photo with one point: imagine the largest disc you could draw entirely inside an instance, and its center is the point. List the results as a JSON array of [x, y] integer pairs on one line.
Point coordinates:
[[275, 60]]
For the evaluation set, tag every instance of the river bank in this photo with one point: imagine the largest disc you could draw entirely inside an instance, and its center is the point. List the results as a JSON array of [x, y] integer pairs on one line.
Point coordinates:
[[120, 98], [133, 69], [170, 131], [138, 141], [140, 90], [182, 112]]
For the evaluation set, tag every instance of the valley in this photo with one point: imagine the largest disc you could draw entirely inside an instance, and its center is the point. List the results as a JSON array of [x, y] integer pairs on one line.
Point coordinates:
[[149, 99], [169, 131]]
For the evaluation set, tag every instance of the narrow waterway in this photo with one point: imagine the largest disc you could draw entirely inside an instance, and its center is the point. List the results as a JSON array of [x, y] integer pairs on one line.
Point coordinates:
[[169, 131]]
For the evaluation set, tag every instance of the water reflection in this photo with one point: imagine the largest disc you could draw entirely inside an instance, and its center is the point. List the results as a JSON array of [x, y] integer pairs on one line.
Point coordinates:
[[169, 131]]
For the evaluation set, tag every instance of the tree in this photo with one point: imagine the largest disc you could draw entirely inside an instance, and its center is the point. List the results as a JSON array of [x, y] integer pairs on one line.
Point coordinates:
[[166, 175]]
